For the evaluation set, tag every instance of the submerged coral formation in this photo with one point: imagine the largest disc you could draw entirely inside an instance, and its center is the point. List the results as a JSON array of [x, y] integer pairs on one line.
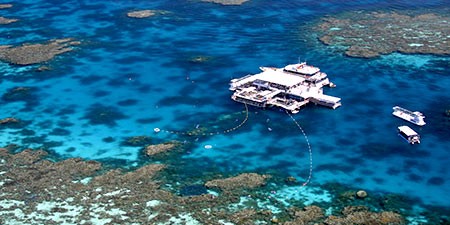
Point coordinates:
[[17, 94], [227, 2], [27, 54], [21, 94], [151, 150], [4, 20], [137, 141], [371, 34], [5, 6], [224, 123], [361, 215], [199, 59], [246, 180], [106, 115], [37, 190], [141, 13], [145, 13], [306, 215], [9, 120]]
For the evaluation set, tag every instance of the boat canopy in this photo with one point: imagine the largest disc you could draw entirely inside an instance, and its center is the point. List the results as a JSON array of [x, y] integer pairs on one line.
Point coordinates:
[[407, 131]]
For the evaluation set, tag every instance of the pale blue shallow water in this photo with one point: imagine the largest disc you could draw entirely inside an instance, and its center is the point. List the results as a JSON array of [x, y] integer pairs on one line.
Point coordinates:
[[140, 70]]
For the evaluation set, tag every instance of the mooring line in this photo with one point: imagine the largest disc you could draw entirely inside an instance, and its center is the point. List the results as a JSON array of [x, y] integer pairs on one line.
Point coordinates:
[[194, 133], [309, 149]]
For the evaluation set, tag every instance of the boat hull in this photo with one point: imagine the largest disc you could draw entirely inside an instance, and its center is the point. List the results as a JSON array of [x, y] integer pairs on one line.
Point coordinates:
[[413, 117]]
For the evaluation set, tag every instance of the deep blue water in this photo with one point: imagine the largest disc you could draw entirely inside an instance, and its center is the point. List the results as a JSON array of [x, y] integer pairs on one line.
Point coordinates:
[[140, 71]]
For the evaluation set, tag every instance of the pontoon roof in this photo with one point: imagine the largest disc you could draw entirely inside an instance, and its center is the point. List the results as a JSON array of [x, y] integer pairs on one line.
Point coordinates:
[[278, 77]]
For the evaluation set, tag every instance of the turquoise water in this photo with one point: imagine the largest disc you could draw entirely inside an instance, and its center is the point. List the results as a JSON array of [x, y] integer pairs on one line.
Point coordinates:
[[141, 72]]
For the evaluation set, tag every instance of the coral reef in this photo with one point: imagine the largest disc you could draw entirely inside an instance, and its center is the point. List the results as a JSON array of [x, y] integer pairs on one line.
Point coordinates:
[[222, 124], [227, 2], [27, 54], [371, 34], [21, 94], [199, 59], [152, 150], [43, 68], [245, 180], [141, 13], [5, 6], [391, 202], [74, 191], [305, 215], [145, 13], [18, 94], [137, 141], [4, 20], [29, 184], [361, 215], [33, 186], [291, 180], [9, 120], [250, 216], [106, 115]]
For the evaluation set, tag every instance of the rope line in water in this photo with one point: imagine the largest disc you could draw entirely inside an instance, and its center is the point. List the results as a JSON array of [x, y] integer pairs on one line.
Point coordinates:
[[193, 133], [309, 149]]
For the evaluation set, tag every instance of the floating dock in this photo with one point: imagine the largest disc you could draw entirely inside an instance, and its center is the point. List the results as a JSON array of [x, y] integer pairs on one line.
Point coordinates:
[[289, 88]]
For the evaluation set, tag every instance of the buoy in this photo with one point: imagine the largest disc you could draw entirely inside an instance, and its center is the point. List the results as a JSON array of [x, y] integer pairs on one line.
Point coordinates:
[[208, 146], [156, 130]]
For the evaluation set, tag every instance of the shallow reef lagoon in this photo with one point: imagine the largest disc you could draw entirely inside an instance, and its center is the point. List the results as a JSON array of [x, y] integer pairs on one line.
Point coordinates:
[[171, 71]]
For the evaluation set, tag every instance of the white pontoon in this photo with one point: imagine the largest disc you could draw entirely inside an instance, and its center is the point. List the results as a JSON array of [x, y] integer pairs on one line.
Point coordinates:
[[289, 88]]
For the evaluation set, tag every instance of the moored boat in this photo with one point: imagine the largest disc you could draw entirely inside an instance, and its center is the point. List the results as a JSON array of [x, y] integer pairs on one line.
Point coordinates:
[[413, 117], [409, 135]]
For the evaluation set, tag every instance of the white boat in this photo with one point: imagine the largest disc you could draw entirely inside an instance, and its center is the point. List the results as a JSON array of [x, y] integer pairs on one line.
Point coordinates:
[[413, 117], [409, 135]]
